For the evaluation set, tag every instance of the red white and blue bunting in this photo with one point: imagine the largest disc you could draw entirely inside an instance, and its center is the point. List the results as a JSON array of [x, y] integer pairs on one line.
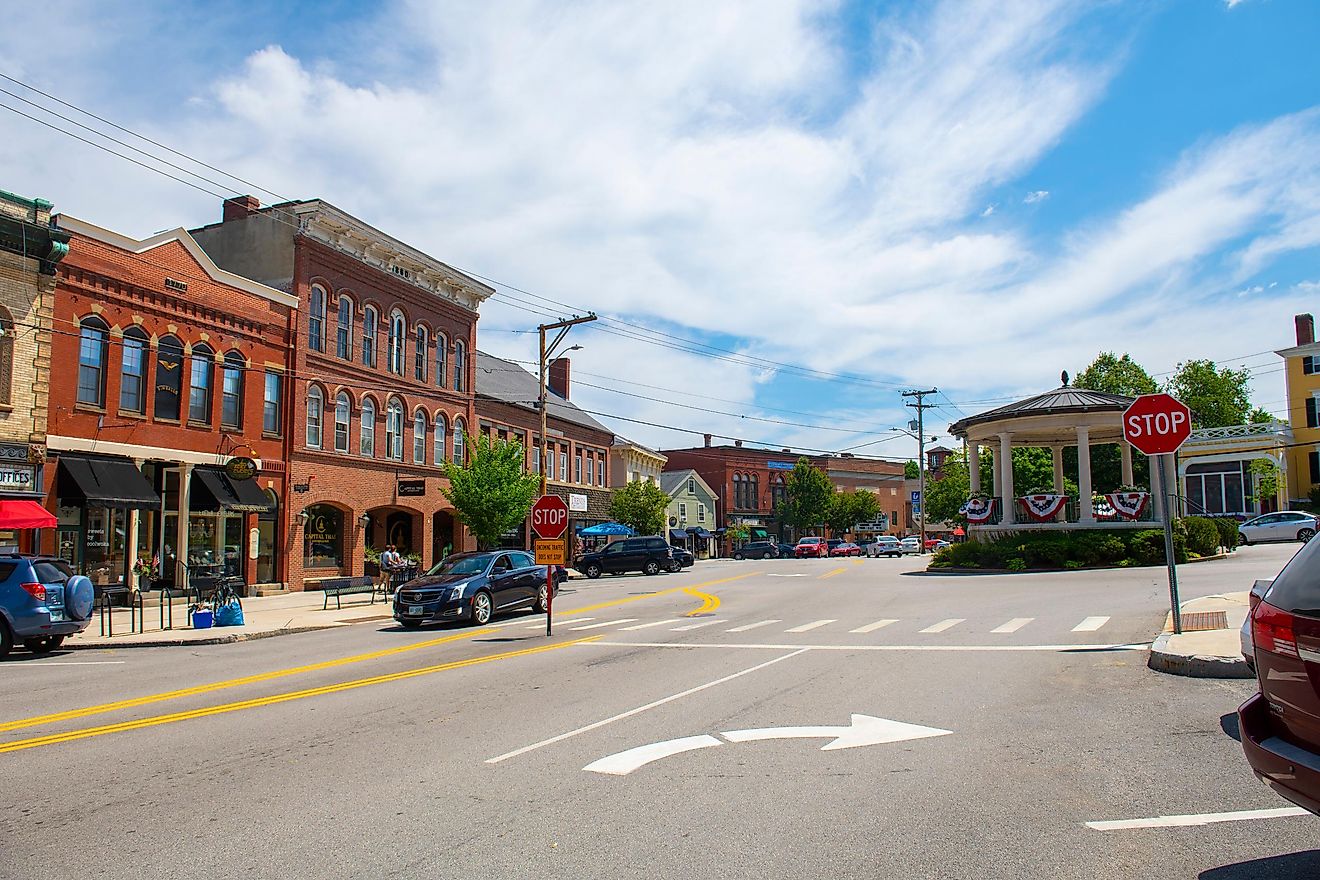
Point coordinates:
[[1129, 505], [978, 510], [1043, 508]]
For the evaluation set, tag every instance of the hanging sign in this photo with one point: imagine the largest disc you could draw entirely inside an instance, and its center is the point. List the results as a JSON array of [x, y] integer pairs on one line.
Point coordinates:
[[241, 468]]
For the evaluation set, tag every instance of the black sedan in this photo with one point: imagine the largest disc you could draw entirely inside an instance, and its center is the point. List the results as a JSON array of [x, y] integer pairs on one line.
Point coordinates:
[[682, 559], [474, 587]]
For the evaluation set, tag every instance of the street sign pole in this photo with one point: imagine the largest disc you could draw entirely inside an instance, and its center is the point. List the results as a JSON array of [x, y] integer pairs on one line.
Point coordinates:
[[1163, 464]]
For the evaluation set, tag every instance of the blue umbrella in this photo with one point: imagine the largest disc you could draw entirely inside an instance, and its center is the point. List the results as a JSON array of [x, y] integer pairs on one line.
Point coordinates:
[[606, 529]]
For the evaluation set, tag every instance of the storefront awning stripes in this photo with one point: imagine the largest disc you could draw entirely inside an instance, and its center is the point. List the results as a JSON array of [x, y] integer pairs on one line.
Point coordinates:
[[20, 513], [218, 491], [104, 482]]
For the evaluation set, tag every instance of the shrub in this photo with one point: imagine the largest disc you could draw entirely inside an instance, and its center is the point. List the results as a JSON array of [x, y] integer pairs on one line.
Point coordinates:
[[1228, 531], [1147, 546], [1098, 548], [1202, 535], [964, 555], [1017, 564], [1073, 564]]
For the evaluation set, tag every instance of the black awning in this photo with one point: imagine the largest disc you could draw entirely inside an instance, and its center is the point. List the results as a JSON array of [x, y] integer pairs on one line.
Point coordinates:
[[104, 482], [677, 535], [700, 533], [213, 490]]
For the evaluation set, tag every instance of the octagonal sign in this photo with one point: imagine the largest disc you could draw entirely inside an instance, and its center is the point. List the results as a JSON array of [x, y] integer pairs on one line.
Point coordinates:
[[1157, 424], [549, 517]]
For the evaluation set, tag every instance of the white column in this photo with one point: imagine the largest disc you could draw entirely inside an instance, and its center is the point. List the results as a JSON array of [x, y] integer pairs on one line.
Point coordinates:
[[1125, 451], [974, 466], [1005, 460], [994, 474], [1084, 473], [1056, 453], [185, 507], [1156, 496]]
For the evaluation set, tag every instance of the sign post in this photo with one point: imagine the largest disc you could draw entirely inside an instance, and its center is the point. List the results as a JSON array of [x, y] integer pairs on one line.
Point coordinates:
[[1157, 424], [549, 522]]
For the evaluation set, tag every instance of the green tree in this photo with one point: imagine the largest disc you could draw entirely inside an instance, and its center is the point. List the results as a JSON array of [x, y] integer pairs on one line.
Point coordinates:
[[1267, 475], [945, 497], [1217, 397], [807, 494], [1260, 416], [493, 492], [1116, 375], [911, 470], [641, 505], [847, 509]]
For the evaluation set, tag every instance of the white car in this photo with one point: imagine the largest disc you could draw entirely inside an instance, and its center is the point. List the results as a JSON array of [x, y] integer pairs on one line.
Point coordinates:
[[885, 545], [910, 545], [1286, 525]]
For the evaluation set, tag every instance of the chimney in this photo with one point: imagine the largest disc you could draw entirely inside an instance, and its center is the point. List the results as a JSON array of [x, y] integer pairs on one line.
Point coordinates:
[[737, 443], [707, 436], [1305, 325], [241, 206], [558, 377]]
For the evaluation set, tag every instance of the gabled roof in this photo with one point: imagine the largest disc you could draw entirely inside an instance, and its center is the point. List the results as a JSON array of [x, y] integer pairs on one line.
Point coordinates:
[[672, 481], [509, 383], [1064, 399]]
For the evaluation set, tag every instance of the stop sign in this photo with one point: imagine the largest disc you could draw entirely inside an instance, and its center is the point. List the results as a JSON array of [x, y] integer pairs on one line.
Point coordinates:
[[549, 517], [1157, 424]]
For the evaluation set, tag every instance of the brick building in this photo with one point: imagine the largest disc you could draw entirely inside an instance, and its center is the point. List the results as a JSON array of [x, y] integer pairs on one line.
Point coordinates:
[[171, 368], [579, 457], [382, 385], [30, 250]]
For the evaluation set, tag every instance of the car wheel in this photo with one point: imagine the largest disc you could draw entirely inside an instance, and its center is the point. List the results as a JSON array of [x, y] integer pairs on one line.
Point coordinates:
[[738, 556], [410, 624], [675, 567], [765, 555], [1242, 540], [6, 639], [1305, 535], [652, 567], [44, 644], [482, 608], [593, 571], [542, 600]]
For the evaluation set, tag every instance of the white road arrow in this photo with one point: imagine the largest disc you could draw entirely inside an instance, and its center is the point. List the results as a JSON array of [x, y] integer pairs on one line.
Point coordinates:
[[866, 730]]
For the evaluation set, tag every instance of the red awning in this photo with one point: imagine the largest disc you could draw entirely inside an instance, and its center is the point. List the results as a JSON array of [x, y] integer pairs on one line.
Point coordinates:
[[19, 513], [959, 531]]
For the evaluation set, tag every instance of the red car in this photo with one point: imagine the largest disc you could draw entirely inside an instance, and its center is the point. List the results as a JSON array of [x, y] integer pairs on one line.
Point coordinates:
[[811, 548], [1280, 725], [846, 549]]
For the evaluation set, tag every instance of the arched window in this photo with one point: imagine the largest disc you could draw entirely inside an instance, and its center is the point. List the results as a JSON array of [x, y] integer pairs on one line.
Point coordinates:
[[343, 413], [397, 342], [92, 336], [316, 319], [421, 355], [754, 493], [315, 415], [199, 384], [367, 439], [458, 441], [441, 430], [133, 372], [419, 437], [460, 364], [231, 391], [344, 329], [394, 430], [737, 491], [369, 336], [169, 377], [778, 491], [441, 359]]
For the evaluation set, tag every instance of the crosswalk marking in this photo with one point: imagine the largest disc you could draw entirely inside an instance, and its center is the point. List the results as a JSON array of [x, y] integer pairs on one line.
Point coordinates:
[[652, 623], [809, 626], [697, 625], [872, 627], [606, 623], [746, 627], [1013, 625], [943, 625], [1090, 625]]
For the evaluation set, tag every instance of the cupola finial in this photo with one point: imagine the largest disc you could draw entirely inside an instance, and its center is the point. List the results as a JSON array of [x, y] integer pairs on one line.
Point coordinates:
[[1064, 377]]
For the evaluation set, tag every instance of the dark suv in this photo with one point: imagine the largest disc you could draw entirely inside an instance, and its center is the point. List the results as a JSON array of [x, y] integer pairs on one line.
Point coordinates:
[[651, 555], [757, 550], [1281, 724], [41, 602]]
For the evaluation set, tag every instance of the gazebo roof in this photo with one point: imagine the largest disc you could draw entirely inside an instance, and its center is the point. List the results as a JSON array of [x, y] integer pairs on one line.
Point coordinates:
[[1060, 401]]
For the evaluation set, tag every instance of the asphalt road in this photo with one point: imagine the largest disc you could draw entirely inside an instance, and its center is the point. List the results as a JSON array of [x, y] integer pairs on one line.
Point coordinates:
[[368, 751]]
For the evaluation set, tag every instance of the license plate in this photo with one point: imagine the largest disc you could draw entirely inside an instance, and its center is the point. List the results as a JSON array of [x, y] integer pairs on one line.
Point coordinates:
[[415, 609]]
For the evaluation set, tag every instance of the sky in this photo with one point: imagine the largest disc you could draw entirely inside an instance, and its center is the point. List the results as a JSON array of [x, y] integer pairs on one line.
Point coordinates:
[[785, 213]]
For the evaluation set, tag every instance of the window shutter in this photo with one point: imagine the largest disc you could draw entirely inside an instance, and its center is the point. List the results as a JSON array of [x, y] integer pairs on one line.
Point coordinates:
[[1311, 421], [1314, 460]]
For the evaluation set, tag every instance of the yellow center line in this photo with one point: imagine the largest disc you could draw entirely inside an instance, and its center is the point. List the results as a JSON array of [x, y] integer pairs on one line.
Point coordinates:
[[155, 720], [830, 574], [626, 599], [233, 682], [709, 602]]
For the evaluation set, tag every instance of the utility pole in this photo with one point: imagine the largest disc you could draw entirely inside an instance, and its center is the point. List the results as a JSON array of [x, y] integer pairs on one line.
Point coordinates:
[[921, 406], [563, 326]]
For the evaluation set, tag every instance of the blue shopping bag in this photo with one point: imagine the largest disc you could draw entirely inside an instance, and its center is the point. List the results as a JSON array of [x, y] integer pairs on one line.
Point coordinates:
[[229, 614]]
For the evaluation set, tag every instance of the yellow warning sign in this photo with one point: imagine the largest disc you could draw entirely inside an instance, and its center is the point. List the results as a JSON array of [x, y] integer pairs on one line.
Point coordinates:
[[551, 553]]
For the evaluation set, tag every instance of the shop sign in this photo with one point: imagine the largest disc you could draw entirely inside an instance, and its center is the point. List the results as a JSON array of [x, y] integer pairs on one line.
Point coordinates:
[[321, 529], [17, 477], [577, 502], [241, 468], [779, 465], [412, 488], [301, 488]]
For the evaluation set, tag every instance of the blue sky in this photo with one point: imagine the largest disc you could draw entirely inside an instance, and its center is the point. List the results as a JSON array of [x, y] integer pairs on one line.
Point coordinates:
[[967, 195]]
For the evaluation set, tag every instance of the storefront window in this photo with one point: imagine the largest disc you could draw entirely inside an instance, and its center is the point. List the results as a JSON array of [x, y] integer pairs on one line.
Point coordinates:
[[323, 537], [103, 545]]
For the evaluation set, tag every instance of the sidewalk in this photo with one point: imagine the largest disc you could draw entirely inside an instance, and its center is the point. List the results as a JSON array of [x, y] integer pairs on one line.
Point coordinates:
[[1204, 653]]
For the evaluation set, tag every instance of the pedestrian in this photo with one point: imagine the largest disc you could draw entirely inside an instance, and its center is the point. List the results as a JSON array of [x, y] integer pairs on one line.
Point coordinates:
[[386, 565]]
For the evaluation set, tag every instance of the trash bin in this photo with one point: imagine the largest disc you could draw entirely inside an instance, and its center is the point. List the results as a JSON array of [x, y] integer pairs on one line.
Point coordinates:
[[203, 619]]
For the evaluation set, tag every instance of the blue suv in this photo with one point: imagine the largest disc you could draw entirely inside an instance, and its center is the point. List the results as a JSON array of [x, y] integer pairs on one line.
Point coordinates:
[[41, 602]]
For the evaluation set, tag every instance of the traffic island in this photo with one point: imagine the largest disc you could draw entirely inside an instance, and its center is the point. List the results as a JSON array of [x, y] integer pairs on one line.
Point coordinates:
[[1209, 645]]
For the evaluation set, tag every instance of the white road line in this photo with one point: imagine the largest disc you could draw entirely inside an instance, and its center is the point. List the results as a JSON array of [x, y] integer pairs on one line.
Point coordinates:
[[651, 624], [746, 627], [698, 625], [943, 625], [1090, 625], [762, 646], [637, 711], [872, 627], [1013, 625], [606, 623], [1195, 819], [815, 624], [46, 663]]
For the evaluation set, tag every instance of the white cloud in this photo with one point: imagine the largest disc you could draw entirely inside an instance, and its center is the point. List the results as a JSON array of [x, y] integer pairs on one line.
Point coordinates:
[[989, 209], [1036, 195]]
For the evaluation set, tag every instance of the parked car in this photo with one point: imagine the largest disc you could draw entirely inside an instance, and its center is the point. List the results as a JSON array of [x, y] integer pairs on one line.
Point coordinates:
[[474, 587], [885, 545], [1287, 525], [650, 555], [682, 559], [1258, 590], [41, 602], [911, 545], [756, 550], [785, 551], [846, 548], [834, 542], [1280, 725], [939, 545], [811, 548]]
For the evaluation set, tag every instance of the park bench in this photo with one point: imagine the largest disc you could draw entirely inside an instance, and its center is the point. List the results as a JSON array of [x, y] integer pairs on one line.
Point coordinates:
[[338, 586]]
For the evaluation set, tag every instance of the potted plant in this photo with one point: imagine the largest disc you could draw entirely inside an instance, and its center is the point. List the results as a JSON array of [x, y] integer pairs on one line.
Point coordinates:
[[371, 567]]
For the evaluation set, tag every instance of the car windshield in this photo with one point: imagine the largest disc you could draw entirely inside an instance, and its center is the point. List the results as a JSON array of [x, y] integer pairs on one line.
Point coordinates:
[[465, 563]]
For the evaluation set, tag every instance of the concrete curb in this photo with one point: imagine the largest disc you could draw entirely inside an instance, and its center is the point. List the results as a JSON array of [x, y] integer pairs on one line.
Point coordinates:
[[174, 642], [1194, 666]]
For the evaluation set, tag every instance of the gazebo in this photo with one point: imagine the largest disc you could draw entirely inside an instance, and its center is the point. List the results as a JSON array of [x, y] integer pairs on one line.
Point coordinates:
[[1063, 417]]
